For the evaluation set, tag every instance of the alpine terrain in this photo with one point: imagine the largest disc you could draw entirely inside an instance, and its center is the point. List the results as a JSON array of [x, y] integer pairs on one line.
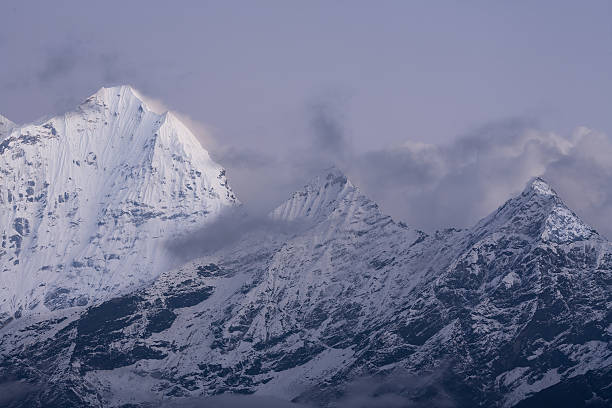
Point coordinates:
[[87, 199], [327, 295]]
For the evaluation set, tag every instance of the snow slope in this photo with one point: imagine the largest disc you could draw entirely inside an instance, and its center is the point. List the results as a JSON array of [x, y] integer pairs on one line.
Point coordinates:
[[514, 311], [88, 198], [5, 126]]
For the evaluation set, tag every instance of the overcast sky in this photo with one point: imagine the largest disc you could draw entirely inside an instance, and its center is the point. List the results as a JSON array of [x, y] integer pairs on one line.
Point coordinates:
[[440, 110]]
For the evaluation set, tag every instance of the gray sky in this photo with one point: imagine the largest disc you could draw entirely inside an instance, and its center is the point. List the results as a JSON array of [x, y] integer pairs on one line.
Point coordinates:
[[283, 87]]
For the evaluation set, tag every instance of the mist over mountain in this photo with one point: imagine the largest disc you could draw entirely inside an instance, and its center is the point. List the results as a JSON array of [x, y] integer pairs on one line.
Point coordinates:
[[132, 276]]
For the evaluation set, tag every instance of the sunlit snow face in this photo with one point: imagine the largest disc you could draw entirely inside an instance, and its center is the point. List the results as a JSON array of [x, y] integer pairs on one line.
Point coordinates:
[[101, 190], [562, 225], [253, 87], [541, 187]]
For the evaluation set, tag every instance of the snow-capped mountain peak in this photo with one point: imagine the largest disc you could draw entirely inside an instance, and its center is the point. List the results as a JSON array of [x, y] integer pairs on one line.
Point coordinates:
[[538, 185], [513, 309], [502, 311], [539, 213], [329, 195], [316, 199], [560, 224], [88, 198], [120, 97]]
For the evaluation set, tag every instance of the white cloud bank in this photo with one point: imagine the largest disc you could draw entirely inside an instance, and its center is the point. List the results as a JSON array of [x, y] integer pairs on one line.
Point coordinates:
[[433, 187]]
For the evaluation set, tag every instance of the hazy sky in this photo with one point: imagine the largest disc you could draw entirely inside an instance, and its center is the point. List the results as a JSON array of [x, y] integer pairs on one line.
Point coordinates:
[[399, 93]]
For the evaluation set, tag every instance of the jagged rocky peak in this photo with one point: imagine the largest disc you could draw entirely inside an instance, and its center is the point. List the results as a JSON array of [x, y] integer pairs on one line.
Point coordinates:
[[561, 224], [305, 315], [327, 193], [331, 203], [316, 198], [330, 178], [538, 212], [538, 185]]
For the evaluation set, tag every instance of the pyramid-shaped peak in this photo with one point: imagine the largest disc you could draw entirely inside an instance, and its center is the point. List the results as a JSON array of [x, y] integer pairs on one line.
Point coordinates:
[[539, 213], [120, 96], [116, 91], [325, 193], [122, 105], [539, 186], [330, 177], [110, 168]]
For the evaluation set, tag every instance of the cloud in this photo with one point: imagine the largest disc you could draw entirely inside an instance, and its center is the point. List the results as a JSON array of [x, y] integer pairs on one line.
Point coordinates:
[[264, 181], [227, 230], [399, 389], [231, 401], [439, 186], [13, 391], [432, 186], [244, 158], [75, 59], [201, 131], [59, 63], [329, 143], [265, 177], [327, 124], [582, 178]]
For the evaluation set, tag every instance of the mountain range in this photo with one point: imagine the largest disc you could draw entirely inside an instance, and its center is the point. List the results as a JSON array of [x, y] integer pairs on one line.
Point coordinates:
[[325, 302]]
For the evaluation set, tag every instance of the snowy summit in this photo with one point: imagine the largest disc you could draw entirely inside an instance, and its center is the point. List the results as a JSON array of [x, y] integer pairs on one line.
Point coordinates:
[[88, 198]]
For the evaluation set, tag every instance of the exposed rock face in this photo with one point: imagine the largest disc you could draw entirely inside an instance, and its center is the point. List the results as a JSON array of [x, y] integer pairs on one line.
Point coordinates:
[[88, 198], [513, 311]]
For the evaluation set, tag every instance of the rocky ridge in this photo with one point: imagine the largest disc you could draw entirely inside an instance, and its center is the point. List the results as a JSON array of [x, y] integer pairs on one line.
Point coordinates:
[[512, 312]]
